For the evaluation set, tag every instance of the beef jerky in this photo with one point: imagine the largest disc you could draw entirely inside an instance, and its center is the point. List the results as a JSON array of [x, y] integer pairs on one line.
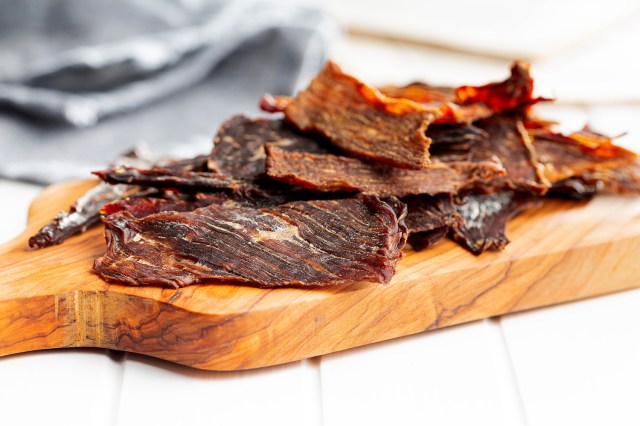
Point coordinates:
[[429, 219], [564, 157], [326, 172], [454, 142], [85, 212], [82, 214], [456, 134], [168, 179], [421, 92], [442, 98], [196, 164], [510, 142], [303, 243], [239, 145], [361, 121], [144, 206], [486, 217], [514, 92]]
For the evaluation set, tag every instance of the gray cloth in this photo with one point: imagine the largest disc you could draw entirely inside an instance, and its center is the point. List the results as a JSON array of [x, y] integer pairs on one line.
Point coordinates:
[[85, 80]]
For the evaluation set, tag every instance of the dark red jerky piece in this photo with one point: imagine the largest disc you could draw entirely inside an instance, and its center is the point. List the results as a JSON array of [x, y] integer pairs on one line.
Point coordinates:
[[303, 243], [454, 142], [196, 164], [510, 142], [335, 173], [238, 150], [429, 219], [83, 214], [486, 217], [185, 181], [361, 121], [516, 91], [145, 206]]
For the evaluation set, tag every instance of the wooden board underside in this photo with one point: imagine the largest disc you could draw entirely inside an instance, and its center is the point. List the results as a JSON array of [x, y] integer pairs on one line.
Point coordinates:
[[560, 252]]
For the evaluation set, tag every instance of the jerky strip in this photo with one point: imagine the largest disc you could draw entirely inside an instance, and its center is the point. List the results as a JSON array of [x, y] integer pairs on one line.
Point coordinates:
[[363, 122], [429, 219], [514, 92], [335, 173], [486, 217], [85, 212], [239, 146], [565, 157], [145, 206], [82, 214], [510, 142], [169, 179], [301, 243]]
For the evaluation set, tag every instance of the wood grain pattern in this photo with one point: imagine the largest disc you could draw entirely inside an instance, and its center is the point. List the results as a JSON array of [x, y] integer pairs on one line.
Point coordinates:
[[560, 252]]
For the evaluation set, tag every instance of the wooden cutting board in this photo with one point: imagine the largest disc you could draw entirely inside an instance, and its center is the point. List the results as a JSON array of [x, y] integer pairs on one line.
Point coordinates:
[[562, 251]]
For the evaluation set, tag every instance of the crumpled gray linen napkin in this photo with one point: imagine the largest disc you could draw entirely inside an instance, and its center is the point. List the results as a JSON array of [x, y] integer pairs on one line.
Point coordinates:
[[82, 81]]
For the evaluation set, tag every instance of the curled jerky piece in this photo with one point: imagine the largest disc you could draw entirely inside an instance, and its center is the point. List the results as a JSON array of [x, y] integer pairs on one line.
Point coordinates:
[[361, 121], [296, 244], [515, 92], [486, 217], [442, 98], [430, 219], [239, 145], [510, 142], [326, 172]]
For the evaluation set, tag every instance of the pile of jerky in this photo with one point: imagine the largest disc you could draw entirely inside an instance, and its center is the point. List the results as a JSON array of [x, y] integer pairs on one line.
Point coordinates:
[[331, 189]]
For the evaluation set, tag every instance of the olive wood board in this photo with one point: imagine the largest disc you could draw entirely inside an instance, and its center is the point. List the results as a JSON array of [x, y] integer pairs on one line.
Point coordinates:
[[561, 251]]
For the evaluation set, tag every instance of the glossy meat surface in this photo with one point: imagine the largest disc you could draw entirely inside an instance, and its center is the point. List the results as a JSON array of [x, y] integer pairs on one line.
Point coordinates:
[[303, 243]]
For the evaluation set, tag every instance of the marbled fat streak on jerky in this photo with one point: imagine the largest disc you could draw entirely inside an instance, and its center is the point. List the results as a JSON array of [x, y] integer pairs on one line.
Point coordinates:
[[486, 217], [336, 173], [361, 121], [302, 243], [238, 150]]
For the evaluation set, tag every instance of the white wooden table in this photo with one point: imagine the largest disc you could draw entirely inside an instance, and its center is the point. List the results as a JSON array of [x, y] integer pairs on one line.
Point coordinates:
[[572, 364]]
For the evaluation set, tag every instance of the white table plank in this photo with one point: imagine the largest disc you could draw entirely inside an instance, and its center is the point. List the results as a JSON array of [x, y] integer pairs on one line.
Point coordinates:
[[59, 388], [160, 393], [456, 376], [578, 363]]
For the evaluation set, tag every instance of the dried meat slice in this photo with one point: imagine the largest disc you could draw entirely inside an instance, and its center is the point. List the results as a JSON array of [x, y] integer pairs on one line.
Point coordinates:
[[510, 142], [571, 156], [185, 181], [238, 150], [144, 206], [442, 98], [302, 243], [85, 212], [361, 121], [326, 172], [430, 219], [486, 217], [514, 92]]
